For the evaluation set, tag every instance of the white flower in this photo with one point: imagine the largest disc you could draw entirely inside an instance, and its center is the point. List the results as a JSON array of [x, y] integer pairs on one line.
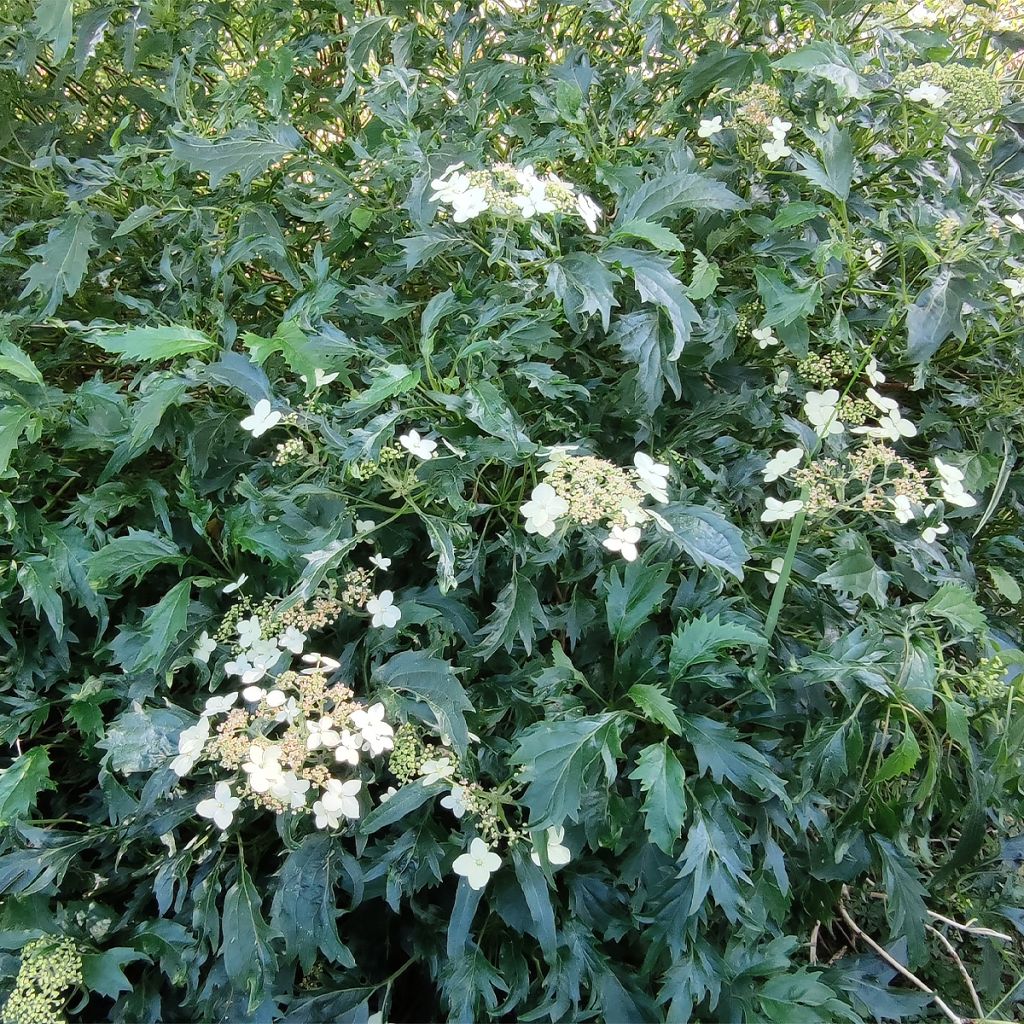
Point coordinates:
[[292, 640], [275, 699], [779, 129], [653, 476], [543, 509], [348, 747], [290, 789], [772, 574], [238, 667], [232, 587], [219, 705], [820, 410], [261, 420], [477, 865], [321, 378], [874, 375], [263, 656], [764, 336], [450, 185], [248, 632], [709, 127], [880, 402], [469, 204], [365, 525], [588, 210], [383, 610], [1016, 221], [1015, 286], [927, 92], [376, 733], [894, 426], [220, 807], [952, 486], [337, 800], [253, 694], [262, 767], [319, 663], [380, 562], [558, 854], [290, 710], [623, 541], [421, 447], [435, 769], [322, 734], [931, 533], [902, 509], [776, 511], [534, 200], [920, 15], [388, 794], [204, 648], [781, 382], [455, 801], [190, 745], [948, 474], [785, 459], [776, 149]]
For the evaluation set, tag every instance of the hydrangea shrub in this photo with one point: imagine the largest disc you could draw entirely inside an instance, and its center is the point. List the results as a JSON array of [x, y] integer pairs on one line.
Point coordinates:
[[511, 512]]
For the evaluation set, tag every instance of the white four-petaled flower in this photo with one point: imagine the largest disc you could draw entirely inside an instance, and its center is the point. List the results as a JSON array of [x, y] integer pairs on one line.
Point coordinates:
[[902, 508], [927, 92], [588, 210], [263, 767], [543, 509], [765, 337], [248, 631], [380, 562], [623, 541], [776, 511], [709, 127], [322, 734], [653, 476], [784, 461], [292, 640], [221, 807], [820, 408], [376, 733], [219, 705], [477, 865], [232, 587], [262, 419], [455, 801], [383, 610], [421, 447], [204, 648], [558, 853]]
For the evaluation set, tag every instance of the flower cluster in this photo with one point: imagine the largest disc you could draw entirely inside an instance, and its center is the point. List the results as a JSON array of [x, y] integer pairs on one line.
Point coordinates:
[[49, 966], [967, 95], [583, 490], [507, 191]]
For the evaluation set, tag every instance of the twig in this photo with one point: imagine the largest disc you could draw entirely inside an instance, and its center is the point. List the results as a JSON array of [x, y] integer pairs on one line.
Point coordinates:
[[812, 954], [893, 962], [987, 933], [951, 950]]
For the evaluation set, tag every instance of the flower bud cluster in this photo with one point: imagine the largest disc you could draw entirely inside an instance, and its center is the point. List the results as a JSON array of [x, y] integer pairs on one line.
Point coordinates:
[[292, 450], [49, 966], [756, 107], [975, 94]]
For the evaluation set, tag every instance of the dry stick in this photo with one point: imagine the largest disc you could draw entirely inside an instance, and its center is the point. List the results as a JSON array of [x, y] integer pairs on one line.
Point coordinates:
[[812, 954], [970, 927], [951, 950], [894, 963]]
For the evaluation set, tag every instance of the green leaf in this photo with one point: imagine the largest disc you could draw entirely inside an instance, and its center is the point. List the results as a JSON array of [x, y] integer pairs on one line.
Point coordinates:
[[15, 421], [561, 761], [655, 282], [723, 755], [103, 972], [647, 343], [38, 578], [489, 409], [151, 344], [704, 278], [390, 380], [444, 548], [784, 305], [143, 739], [407, 799], [163, 623], [663, 782], [857, 574], [248, 958], [707, 537], [955, 604], [653, 702], [793, 214], [132, 556], [835, 173], [633, 596], [304, 909], [53, 24], [291, 342], [664, 196], [1007, 586], [517, 614], [247, 152], [22, 782], [18, 364], [936, 314], [826, 60], [905, 907], [584, 285], [699, 642], [647, 231], [902, 760], [431, 680], [63, 260]]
